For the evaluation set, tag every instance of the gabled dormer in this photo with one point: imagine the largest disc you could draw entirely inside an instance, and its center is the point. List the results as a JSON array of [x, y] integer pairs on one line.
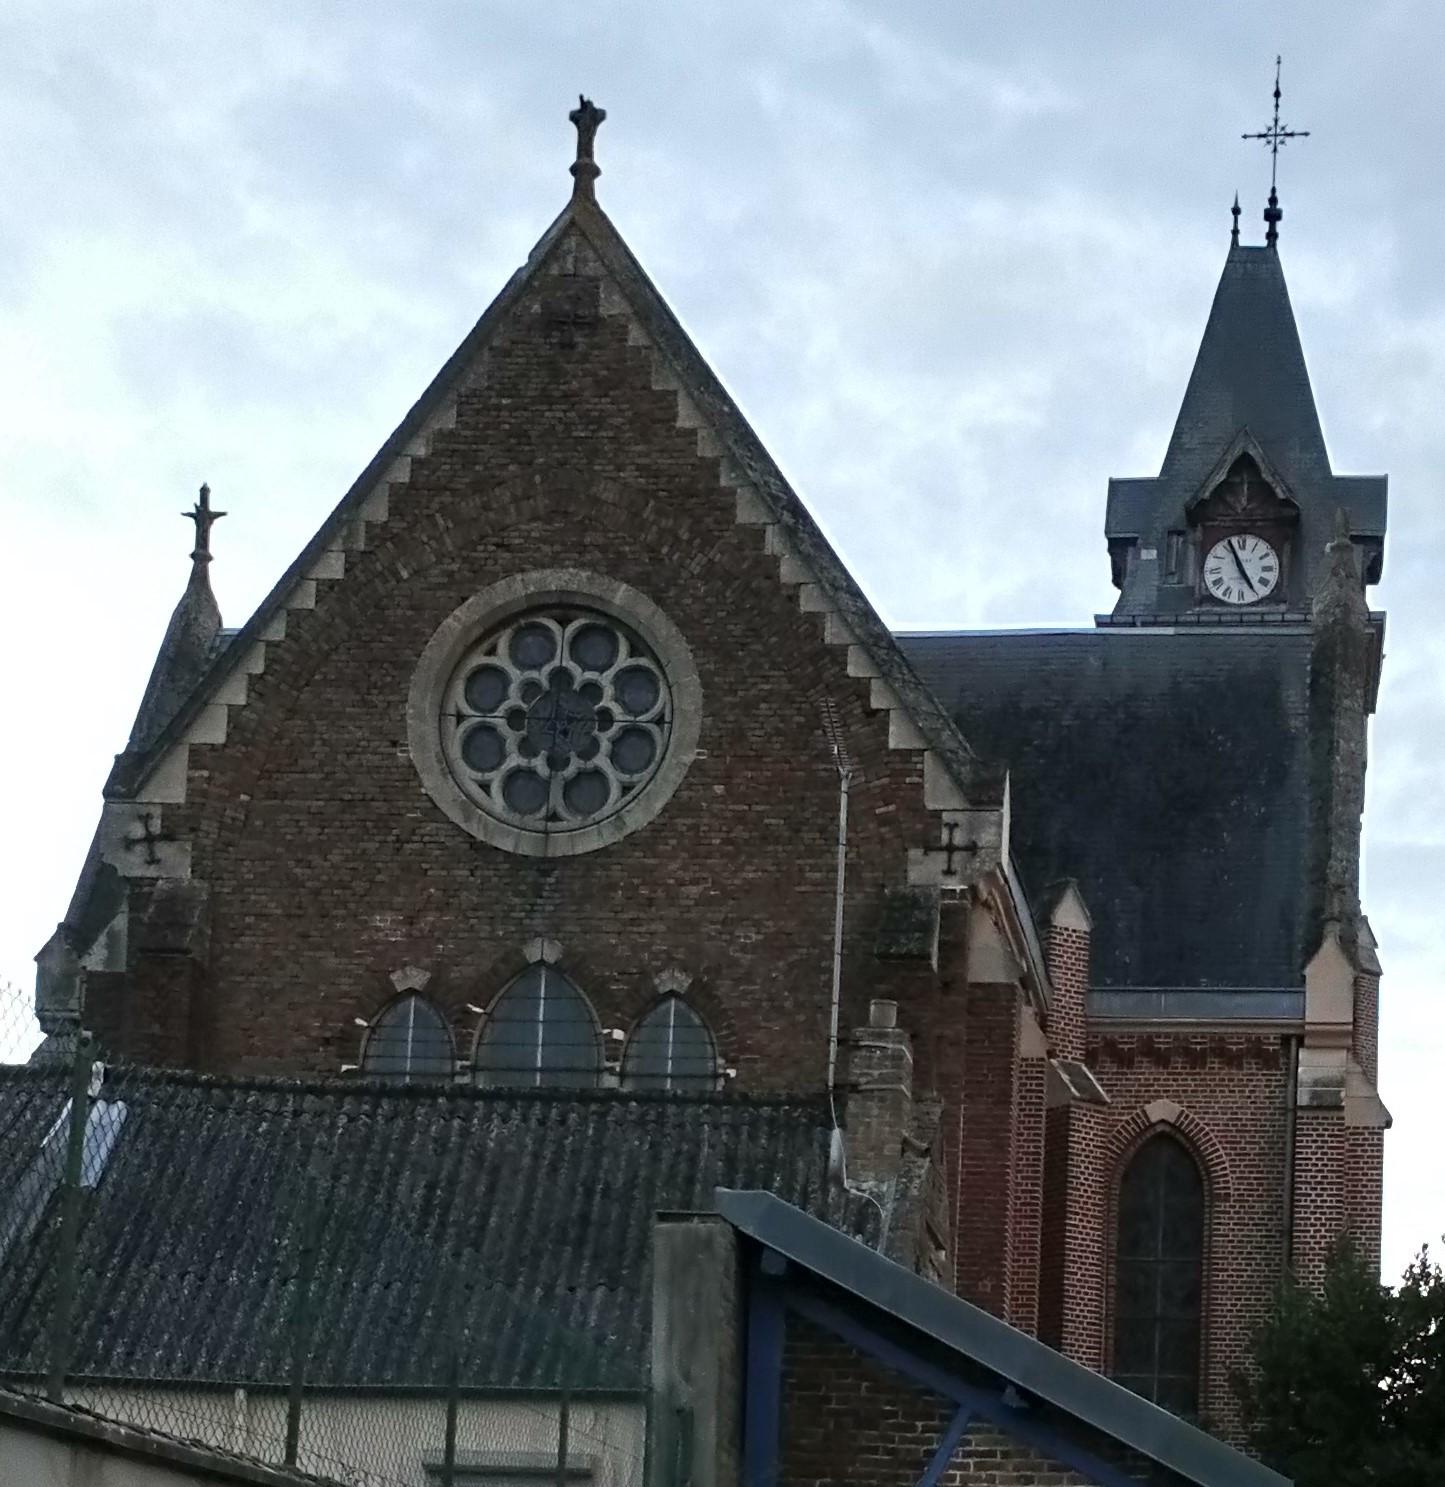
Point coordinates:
[[1246, 477]]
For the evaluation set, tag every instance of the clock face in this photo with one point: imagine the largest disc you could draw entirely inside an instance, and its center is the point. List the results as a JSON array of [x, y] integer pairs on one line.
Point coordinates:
[[1241, 569]]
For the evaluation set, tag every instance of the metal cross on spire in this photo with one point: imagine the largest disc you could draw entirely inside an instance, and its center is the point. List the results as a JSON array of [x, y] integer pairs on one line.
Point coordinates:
[[204, 519], [1274, 137]]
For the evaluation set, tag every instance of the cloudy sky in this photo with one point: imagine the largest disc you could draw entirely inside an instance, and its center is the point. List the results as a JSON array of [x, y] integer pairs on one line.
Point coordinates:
[[953, 261]]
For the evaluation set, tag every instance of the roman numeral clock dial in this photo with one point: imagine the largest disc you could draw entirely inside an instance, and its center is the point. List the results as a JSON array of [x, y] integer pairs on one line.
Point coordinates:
[[1241, 569]]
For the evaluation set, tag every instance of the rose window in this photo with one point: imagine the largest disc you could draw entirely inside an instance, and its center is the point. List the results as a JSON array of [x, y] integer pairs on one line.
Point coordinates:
[[556, 719]]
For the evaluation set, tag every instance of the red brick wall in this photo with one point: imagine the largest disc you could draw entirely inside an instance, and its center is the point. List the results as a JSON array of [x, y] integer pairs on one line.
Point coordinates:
[[329, 868], [1233, 1092], [1073, 1269], [1027, 1194], [988, 1084], [1367, 1025], [1066, 954]]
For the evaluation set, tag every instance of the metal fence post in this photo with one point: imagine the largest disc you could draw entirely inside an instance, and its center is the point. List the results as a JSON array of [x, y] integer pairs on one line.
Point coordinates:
[[67, 1257], [449, 1455], [563, 1411], [301, 1317]]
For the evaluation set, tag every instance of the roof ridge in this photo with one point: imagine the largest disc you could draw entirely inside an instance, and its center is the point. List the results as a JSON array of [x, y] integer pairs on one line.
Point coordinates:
[[120, 1077]]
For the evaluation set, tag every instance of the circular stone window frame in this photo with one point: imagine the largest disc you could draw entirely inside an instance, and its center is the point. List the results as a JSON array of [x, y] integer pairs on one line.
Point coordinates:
[[503, 601]]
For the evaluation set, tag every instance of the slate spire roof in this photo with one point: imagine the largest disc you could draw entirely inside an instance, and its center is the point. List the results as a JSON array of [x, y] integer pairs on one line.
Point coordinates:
[[1249, 385], [1249, 373], [190, 639]]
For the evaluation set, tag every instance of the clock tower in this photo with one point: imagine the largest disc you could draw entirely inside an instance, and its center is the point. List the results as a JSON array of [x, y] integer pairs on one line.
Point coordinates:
[[1235, 525]]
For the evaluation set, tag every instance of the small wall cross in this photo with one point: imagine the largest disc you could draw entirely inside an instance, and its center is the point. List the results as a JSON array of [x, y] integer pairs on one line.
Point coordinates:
[[150, 837], [953, 848]]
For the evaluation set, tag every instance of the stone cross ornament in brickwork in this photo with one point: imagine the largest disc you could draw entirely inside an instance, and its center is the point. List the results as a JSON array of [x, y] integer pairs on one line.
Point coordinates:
[[587, 117], [150, 837], [953, 849], [1275, 136], [204, 519]]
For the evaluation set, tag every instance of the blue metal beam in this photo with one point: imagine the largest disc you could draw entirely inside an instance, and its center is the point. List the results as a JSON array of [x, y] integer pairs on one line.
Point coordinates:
[[763, 1391], [1011, 1419], [947, 1445]]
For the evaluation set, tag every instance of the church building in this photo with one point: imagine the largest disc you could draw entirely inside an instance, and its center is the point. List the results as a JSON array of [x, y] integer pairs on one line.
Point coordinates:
[[569, 758]]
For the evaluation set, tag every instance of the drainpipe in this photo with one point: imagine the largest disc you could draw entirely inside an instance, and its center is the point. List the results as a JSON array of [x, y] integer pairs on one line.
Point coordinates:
[[1291, 1116]]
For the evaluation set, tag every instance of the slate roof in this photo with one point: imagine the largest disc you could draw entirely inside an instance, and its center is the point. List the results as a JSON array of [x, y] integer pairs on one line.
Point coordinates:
[[1167, 772], [1249, 374], [526, 1217]]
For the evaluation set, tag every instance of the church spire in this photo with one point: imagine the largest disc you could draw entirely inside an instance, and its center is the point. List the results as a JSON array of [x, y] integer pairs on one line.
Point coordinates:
[[190, 637], [1248, 399]]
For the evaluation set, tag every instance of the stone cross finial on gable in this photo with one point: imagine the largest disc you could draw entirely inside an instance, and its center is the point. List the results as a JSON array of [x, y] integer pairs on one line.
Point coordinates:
[[204, 519], [586, 116]]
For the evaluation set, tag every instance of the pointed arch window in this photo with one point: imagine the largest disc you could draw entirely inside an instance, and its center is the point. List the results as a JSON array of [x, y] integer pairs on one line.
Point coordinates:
[[409, 1041], [670, 1049], [1159, 1275], [539, 1034]]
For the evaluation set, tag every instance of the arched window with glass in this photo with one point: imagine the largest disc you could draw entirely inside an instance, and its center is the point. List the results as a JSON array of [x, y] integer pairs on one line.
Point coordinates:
[[409, 1041], [1159, 1275], [540, 1034], [670, 1049]]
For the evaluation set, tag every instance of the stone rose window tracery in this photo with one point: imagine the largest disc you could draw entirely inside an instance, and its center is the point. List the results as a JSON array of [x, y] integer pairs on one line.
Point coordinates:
[[555, 719]]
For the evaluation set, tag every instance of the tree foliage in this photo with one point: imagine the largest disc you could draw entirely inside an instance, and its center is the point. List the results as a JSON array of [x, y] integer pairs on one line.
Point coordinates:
[[1347, 1387]]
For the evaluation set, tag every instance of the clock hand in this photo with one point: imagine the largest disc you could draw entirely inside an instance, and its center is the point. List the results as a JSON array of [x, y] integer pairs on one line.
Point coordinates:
[[1234, 553]]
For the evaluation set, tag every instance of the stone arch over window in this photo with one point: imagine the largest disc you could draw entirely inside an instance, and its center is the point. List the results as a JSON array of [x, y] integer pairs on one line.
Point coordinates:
[[410, 1041], [670, 1048], [1160, 1241], [540, 1033]]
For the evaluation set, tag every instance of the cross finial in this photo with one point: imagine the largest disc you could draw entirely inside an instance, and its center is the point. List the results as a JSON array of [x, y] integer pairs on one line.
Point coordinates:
[[586, 116], [204, 519], [1274, 137]]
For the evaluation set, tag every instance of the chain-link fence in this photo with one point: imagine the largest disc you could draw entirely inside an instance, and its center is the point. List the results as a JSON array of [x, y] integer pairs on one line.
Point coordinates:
[[315, 1275]]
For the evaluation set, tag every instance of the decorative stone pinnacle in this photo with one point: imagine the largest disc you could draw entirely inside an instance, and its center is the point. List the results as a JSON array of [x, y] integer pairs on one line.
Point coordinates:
[[1340, 540], [1234, 231], [1341, 592], [204, 519], [585, 170]]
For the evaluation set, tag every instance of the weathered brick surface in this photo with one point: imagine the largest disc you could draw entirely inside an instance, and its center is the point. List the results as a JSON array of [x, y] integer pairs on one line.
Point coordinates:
[[846, 1419], [329, 867]]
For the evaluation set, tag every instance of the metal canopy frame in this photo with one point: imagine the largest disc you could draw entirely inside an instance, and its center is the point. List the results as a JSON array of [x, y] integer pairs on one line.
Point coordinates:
[[1029, 1391], [774, 1294]]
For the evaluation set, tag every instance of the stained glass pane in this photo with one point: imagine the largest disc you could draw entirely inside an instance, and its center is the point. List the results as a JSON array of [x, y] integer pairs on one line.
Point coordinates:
[[485, 689], [532, 645], [410, 1040], [483, 748], [1158, 1275], [633, 750], [671, 1048], [540, 1032], [594, 647]]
